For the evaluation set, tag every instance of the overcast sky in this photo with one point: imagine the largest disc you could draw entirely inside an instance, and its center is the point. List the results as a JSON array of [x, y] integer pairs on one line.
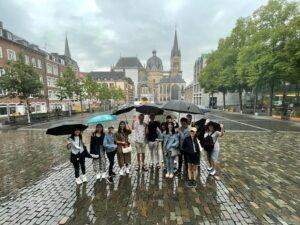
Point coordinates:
[[100, 31]]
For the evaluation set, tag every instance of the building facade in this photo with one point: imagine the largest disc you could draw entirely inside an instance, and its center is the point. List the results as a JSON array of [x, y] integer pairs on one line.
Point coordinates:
[[116, 79], [156, 84], [48, 65]]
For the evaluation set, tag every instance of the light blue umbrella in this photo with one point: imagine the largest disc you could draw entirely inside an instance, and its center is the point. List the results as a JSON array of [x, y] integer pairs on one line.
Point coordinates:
[[102, 118]]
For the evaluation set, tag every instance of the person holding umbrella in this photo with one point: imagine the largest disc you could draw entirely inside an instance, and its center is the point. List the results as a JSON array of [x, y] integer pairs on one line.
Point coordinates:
[[76, 144], [121, 138], [96, 148]]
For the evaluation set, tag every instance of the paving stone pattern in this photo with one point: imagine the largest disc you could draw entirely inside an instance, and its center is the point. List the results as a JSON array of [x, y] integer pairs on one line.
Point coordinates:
[[258, 184]]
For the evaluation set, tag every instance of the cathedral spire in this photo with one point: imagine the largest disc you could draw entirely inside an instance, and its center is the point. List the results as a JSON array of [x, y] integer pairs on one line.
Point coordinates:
[[67, 50], [175, 49]]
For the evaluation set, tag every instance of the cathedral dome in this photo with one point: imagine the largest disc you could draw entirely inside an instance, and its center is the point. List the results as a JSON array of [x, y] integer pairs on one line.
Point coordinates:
[[154, 63]]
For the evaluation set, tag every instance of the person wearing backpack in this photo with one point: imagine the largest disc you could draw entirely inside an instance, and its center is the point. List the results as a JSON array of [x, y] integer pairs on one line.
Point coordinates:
[[211, 145]]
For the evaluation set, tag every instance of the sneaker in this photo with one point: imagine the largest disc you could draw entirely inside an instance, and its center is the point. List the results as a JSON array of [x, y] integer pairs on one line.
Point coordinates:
[[177, 172], [213, 172], [157, 166], [144, 168], [122, 173], [112, 174], [110, 180], [137, 167], [167, 175], [104, 175], [98, 176], [84, 179], [209, 169], [127, 169], [189, 183], [78, 181], [171, 175]]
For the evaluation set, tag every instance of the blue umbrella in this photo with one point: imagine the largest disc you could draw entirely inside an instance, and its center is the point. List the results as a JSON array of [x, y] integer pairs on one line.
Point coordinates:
[[102, 118]]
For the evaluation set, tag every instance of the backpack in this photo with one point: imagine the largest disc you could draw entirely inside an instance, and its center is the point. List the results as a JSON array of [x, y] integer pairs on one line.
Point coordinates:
[[208, 143]]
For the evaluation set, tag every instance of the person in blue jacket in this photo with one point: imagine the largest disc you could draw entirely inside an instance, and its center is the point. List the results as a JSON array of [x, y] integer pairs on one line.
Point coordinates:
[[170, 147], [110, 149]]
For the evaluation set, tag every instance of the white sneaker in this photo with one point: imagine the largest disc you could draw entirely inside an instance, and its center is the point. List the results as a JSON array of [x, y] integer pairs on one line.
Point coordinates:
[[127, 169], [171, 175], [84, 178], [78, 181], [104, 176], [98, 176], [122, 172], [213, 172], [167, 175]]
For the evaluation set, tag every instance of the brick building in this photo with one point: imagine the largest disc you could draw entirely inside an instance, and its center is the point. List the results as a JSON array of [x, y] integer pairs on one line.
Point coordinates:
[[48, 65]]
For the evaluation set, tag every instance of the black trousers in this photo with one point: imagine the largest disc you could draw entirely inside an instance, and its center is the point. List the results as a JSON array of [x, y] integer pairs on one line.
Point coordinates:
[[181, 158], [111, 159], [78, 160]]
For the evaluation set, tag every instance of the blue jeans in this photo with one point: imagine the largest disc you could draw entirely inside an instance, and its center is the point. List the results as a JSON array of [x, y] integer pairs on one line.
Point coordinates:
[[170, 163]]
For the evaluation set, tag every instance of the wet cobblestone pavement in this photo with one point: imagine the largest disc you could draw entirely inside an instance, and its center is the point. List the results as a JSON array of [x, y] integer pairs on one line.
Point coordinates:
[[258, 184]]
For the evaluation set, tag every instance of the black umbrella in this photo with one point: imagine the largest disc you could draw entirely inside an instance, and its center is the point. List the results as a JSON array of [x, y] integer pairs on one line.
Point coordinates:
[[124, 109], [201, 123], [217, 126], [65, 128], [149, 109], [182, 107]]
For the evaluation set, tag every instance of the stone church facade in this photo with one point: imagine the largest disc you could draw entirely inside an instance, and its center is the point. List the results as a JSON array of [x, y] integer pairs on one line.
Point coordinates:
[[156, 84]]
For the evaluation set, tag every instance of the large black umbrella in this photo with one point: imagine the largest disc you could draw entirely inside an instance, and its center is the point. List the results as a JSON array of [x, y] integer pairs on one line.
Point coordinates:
[[182, 107], [65, 128], [124, 109], [149, 109]]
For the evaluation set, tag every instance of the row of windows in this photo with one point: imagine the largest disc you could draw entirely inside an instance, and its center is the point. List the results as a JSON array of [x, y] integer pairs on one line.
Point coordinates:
[[52, 69], [52, 95], [51, 81]]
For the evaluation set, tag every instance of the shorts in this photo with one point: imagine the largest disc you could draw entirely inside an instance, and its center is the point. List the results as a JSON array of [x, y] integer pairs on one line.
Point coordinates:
[[213, 155], [192, 159], [140, 147]]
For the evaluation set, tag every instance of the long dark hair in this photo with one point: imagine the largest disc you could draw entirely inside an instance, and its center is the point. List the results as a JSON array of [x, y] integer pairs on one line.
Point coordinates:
[[119, 129], [73, 135], [167, 128], [102, 131]]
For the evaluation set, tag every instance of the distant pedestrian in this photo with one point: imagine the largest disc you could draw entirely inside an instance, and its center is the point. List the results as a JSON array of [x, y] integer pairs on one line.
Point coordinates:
[[152, 138], [183, 132], [191, 148], [171, 144], [212, 146], [76, 144], [121, 139], [96, 148], [110, 149], [140, 128]]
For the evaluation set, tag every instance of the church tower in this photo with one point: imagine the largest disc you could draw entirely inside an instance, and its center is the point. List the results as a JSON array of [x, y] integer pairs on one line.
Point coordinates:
[[67, 49], [175, 58]]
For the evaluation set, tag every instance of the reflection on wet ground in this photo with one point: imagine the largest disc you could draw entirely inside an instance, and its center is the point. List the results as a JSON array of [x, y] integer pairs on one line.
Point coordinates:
[[25, 156], [258, 185]]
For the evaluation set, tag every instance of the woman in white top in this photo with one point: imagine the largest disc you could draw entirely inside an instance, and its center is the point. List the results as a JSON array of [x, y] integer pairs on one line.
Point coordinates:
[[213, 155], [76, 145]]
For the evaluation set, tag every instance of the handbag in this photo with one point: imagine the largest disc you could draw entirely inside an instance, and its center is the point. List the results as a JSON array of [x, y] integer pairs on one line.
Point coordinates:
[[126, 149], [174, 152]]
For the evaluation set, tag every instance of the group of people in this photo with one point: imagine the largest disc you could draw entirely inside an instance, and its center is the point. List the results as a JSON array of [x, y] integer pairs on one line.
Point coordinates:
[[180, 143]]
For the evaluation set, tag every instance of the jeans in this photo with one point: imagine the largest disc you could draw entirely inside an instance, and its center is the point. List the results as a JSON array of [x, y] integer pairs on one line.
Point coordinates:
[[181, 158], [111, 159], [170, 163], [76, 161], [99, 164]]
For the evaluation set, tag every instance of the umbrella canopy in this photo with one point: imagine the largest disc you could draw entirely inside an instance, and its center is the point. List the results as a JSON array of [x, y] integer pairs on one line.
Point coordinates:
[[149, 109], [217, 126], [102, 118], [201, 123], [182, 107], [124, 109], [65, 128]]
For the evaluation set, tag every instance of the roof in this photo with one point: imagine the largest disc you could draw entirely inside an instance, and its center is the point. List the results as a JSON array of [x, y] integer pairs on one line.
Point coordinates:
[[129, 62], [174, 79], [110, 75], [175, 50]]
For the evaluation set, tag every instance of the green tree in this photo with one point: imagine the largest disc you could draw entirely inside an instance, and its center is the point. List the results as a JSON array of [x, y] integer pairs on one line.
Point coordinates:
[[69, 87], [103, 94], [90, 89], [22, 81]]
